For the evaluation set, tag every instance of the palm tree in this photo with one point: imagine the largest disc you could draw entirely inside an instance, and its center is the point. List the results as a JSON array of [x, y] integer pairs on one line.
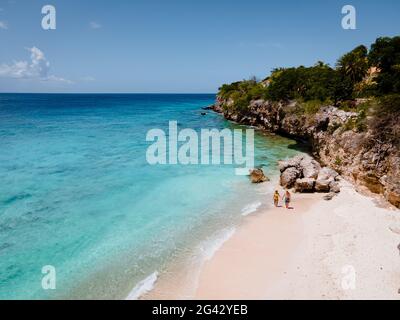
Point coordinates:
[[354, 65]]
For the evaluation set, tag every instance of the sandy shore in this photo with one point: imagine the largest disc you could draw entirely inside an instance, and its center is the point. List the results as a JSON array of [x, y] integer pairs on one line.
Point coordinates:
[[345, 248]]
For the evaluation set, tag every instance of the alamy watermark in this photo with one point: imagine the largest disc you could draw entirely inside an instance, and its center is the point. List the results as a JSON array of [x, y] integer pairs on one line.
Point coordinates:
[[49, 20], [349, 21], [49, 278], [209, 147]]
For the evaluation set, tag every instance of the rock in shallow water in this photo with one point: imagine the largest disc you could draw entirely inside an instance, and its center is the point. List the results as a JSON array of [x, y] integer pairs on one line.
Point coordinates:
[[258, 176]]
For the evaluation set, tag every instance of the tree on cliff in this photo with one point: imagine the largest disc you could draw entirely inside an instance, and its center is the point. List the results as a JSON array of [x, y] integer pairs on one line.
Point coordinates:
[[307, 83], [385, 55], [354, 65], [358, 73]]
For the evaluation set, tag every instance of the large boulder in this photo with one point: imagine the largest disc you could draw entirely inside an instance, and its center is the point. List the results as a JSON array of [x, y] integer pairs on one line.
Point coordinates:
[[326, 181], [334, 187], [293, 162], [322, 186], [306, 175], [327, 174], [289, 177], [310, 168], [304, 185], [258, 176]]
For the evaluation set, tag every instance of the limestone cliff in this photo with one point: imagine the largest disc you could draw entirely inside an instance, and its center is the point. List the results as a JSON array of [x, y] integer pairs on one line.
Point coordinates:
[[364, 156]]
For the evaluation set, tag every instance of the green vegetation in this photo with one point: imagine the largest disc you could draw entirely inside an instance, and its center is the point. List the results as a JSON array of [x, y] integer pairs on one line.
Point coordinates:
[[385, 55], [380, 114], [353, 66], [242, 93], [373, 74], [309, 107], [314, 83]]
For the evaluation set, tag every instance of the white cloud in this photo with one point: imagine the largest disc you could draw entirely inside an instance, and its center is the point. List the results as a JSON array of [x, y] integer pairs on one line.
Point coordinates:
[[57, 79], [94, 25], [3, 25], [37, 68]]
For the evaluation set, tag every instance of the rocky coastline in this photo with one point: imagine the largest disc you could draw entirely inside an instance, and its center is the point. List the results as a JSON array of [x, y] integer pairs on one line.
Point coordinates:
[[359, 156]]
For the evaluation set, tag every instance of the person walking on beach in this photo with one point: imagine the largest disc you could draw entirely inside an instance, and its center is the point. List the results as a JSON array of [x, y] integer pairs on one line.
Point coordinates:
[[276, 198], [286, 198]]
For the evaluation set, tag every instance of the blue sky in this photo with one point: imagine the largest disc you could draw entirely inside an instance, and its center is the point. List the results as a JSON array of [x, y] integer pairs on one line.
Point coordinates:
[[175, 45]]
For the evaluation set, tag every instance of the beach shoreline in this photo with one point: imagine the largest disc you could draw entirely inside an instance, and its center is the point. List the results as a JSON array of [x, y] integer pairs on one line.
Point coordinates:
[[345, 248]]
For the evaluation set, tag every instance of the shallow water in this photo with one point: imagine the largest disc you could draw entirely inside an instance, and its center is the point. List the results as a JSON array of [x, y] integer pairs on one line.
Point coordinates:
[[77, 193]]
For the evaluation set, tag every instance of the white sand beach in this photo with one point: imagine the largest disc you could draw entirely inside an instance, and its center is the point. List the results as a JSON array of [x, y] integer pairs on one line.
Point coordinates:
[[346, 248]]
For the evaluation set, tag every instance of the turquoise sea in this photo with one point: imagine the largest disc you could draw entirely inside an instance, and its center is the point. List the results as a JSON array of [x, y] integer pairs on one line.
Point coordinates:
[[77, 193]]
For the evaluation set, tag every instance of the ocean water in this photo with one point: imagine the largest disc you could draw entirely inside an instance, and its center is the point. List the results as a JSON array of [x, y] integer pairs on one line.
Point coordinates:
[[77, 193]]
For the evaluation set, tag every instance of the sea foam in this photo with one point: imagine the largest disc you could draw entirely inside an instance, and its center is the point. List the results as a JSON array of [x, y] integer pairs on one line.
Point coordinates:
[[250, 208], [210, 246], [143, 287]]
